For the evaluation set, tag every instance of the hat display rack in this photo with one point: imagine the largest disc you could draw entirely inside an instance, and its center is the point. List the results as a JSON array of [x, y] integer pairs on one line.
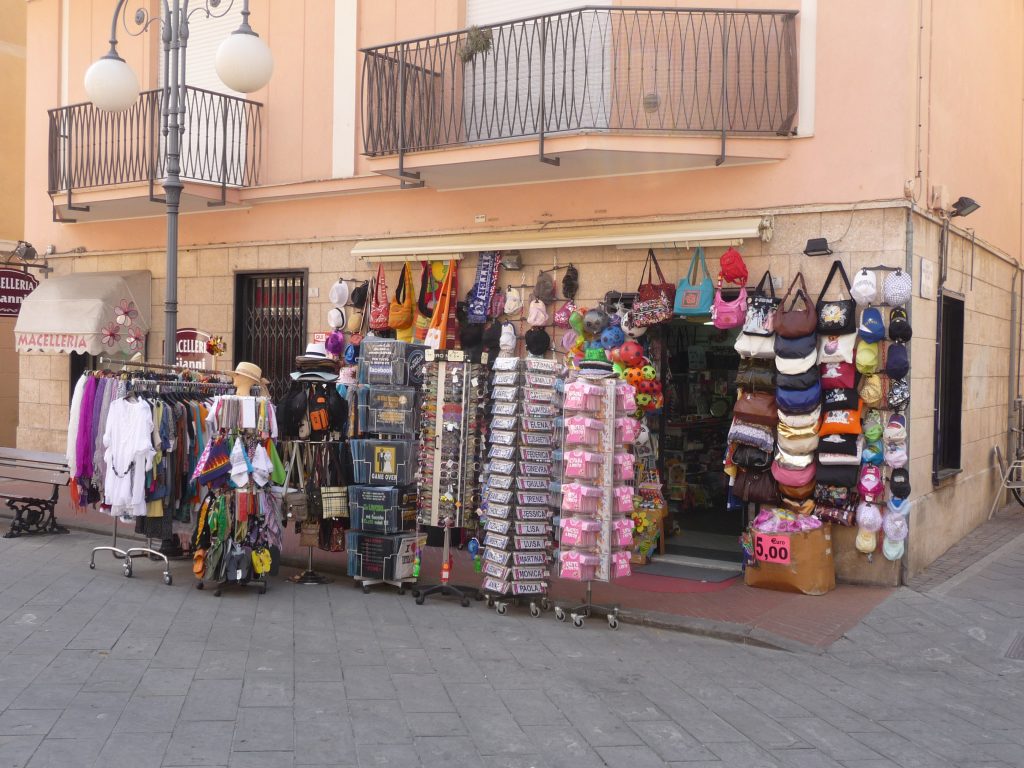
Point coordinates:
[[141, 377]]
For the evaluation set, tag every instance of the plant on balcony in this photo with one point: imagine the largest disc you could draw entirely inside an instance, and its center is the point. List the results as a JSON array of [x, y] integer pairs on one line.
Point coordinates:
[[476, 41]]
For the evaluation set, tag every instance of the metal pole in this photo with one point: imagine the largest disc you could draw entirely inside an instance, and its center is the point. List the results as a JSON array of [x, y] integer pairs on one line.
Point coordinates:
[[172, 184]]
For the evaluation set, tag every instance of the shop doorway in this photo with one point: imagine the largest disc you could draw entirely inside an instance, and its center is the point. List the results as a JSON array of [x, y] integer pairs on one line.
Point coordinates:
[[698, 369], [270, 324]]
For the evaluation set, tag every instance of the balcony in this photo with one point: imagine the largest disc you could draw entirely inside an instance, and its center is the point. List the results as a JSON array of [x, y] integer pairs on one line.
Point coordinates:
[[105, 165], [590, 92]]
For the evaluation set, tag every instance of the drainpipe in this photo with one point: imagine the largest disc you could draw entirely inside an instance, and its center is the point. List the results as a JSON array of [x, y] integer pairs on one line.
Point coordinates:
[[910, 316]]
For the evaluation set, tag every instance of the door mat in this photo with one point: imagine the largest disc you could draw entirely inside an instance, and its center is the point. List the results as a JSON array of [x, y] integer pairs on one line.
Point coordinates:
[[691, 572], [730, 556]]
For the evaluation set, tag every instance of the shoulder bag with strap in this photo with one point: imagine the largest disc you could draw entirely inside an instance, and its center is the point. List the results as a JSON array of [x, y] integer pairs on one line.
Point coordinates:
[[400, 311], [379, 305], [792, 322], [693, 298], [837, 316], [653, 304], [294, 500], [761, 307]]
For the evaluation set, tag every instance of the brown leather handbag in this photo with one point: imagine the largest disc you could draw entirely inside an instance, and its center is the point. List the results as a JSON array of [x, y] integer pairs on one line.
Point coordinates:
[[792, 322], [756, 487], [805, 507], [756, 375], [798, 492], [757, 407]]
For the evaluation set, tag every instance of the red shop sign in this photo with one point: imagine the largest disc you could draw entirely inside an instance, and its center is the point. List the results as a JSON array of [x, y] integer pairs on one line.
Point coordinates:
[[190, 349]]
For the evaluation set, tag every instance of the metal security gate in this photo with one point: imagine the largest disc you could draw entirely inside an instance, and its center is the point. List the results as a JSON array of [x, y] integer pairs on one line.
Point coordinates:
[[270, 324]]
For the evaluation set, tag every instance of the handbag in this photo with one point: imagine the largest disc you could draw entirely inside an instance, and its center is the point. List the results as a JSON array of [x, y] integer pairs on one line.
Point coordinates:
[[836, 348], [838, 316], [804, 380], [756, 407], [794, 477], [761, 308], [752, 346], [846, 422], [839, 516], [800, 420], [309, 533], [799, 492], [437, 334], [791, 322], [693, 298], [838, 375], [400, 311], [425, 303], [653, 303], [799, 400], [798, 506], [728, 314], [756, 376], [749, 457], [756, 487], [800, 444], [294, 501]]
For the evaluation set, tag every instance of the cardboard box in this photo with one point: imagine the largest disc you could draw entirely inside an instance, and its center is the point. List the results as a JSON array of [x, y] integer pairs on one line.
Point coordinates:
[[806, 565]]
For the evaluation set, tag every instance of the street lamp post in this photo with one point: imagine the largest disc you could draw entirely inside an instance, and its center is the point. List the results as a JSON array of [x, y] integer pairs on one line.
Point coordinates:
[[243, 63]]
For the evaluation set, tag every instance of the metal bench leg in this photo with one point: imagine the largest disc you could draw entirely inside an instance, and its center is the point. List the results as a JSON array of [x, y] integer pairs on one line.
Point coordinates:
[[33, 516]]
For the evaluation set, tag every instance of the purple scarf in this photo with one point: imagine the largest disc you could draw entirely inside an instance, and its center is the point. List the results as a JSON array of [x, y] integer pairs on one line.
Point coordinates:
[[84, 445]]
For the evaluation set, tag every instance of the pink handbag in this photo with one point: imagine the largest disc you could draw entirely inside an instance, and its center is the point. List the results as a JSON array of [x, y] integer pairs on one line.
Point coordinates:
[[729, 314], [794, 477]]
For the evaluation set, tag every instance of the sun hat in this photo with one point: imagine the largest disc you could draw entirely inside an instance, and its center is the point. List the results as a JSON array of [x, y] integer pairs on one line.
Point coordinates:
[[335, 343], [357, 296], [339, 293], [336, 317], [313, 376], [315, 349], [245, 376]]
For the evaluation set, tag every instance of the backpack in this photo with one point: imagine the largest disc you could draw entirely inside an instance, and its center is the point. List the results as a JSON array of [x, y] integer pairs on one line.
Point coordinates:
[[292, 411], [318, 412]]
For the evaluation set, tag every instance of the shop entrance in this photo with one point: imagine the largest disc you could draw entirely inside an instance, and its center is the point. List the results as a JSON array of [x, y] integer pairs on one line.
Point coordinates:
[[270, 324], [698, 369]]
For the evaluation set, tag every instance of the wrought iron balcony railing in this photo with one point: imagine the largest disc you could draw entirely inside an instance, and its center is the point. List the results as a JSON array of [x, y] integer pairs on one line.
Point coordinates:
[[90, 148], [592, 69]]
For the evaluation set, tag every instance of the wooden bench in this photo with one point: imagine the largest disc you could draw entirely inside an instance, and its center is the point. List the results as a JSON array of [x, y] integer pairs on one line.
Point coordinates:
[[33, 514]]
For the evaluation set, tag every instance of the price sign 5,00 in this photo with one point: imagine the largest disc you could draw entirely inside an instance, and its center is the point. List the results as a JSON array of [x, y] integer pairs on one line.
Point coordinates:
[[771, 549]]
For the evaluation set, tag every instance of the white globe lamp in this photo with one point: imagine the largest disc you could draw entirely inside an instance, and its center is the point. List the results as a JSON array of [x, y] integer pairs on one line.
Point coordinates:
[[244, 62], [111, 84]]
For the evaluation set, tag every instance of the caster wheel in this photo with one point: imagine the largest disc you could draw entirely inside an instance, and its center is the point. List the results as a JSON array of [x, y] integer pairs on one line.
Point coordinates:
[[127, 571], [534, 610], [263, 589], [168, 580], [92, 566], [545, 604], [559, 614], [420, 599], [366, 590], [613, 622], [464, 602], [199, 585], [217, 593], [577, 622], [416, 593], [490, 601], [401, 590], [501, 609]]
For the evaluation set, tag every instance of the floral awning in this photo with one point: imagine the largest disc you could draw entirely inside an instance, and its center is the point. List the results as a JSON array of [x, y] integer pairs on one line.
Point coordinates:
[[99, 313]]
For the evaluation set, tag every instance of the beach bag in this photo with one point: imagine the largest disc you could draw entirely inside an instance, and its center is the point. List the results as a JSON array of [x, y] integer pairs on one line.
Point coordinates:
[[653, 304], [839, 316], [437, 334], [379, 304], [693, 297], [400, 311], [761, 307]]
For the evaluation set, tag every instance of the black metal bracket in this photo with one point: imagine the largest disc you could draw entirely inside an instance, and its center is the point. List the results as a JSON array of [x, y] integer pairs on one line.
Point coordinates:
[[409, 179], [34, 516]]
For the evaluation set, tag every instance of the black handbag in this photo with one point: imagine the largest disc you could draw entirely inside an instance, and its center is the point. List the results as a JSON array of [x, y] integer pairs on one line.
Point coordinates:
[[749, 457], [761, 306], [838, 316], [757, 375], [804, 380]]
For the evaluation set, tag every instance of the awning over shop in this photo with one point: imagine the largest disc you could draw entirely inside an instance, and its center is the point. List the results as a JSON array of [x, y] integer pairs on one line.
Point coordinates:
[[708, 232], [95, 313]]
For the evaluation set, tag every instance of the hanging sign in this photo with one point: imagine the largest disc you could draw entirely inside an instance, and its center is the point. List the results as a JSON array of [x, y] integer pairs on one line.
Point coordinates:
[[190, 349], [771, 548], [15, 285]]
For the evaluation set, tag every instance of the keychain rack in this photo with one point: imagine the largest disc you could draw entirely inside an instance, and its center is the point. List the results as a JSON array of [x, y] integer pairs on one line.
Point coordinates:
[[223, 584], [141, 383]]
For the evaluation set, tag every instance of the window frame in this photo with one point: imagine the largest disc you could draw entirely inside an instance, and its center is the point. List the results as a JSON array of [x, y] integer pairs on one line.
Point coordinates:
[[947, 365]]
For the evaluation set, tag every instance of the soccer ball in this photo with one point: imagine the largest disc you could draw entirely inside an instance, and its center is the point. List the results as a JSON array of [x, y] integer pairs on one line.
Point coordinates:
[[634, 376]]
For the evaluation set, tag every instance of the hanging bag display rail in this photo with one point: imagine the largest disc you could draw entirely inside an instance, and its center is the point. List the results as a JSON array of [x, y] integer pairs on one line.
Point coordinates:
[[653, 304], [792, 322], [836, 316], [693, 297]]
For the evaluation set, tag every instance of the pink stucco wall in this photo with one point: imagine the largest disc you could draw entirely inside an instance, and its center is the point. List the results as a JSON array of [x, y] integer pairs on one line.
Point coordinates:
[[864, 146]]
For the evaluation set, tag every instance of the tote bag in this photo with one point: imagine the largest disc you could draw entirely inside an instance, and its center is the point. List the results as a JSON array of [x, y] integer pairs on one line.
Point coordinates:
[[793, 322], [693, 297], [653, 304], [839, 316], [437, 333], [728, 314], [761, 307], [400, 311], [379, 305]]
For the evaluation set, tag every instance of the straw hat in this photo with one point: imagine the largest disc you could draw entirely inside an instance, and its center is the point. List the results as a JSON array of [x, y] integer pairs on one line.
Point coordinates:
[[246, 375]]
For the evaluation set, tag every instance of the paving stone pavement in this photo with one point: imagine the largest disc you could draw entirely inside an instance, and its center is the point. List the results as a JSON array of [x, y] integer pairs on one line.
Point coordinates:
[[99, 670]]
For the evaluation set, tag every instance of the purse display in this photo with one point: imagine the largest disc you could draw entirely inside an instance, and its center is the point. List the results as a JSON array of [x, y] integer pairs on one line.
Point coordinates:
[[790, 321], [799, 400], [653, 304], [836, 316], [757, 408], [692, 297], [761, 308], [756, 375], [749, 457], [756, 487], [750, 346]]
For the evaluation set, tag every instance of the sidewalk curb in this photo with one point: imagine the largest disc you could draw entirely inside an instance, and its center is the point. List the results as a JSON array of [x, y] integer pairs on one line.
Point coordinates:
[[719, 630], [943, 589]]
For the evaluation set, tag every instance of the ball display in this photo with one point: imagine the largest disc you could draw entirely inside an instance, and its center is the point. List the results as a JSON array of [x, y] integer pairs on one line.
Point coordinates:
[[631, 354], [634, 376], [649, 372]]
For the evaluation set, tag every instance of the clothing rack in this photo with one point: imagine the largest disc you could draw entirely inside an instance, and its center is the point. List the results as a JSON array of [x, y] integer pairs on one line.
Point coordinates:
[[180, 385], [178, 369]]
